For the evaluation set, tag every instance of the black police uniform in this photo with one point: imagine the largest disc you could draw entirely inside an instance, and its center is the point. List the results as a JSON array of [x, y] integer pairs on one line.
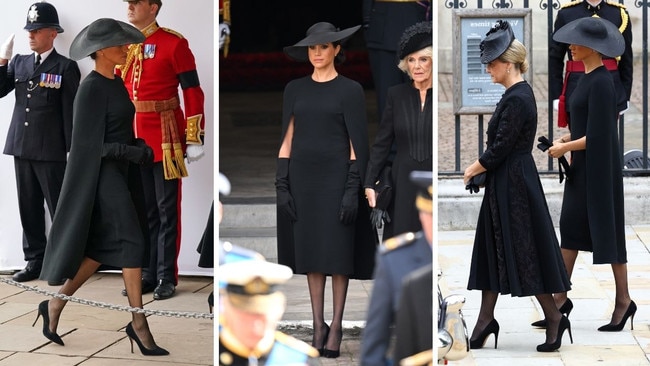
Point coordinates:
[[39, 134], [615, 13], [384, 22]]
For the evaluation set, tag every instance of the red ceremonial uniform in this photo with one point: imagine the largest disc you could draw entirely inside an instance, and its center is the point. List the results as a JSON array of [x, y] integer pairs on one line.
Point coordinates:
[[152, 73]]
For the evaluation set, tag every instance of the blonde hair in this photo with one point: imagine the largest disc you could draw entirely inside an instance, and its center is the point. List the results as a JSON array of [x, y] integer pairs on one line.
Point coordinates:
[[402, 65], [516, 54]]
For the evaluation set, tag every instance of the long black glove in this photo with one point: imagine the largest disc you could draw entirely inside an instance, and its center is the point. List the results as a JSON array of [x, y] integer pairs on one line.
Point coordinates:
[[350, 201], [543, 145], [141, 153], [284, 198]]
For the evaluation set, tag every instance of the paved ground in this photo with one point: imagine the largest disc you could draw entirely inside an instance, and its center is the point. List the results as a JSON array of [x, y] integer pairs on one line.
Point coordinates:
[[95, 336], [593, 298]]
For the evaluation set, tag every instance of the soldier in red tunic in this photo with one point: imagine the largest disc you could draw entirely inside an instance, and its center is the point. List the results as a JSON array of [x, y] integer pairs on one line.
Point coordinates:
[[152, 73]]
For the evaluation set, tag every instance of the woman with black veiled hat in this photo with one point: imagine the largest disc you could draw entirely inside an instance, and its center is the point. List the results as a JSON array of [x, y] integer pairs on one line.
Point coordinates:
[[516, 250], [593, 216], [100, 217], [323, 223], [406, 124]]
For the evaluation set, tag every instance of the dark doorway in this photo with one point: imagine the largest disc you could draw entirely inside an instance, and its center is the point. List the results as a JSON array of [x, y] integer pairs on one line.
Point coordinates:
[[267, 26], [260, 29]]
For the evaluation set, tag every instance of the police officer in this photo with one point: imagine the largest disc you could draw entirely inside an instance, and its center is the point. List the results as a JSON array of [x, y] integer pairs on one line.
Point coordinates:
[[562, 82], [40, 132], [384, 21], [252, 306], [397, 257], [152, 73]]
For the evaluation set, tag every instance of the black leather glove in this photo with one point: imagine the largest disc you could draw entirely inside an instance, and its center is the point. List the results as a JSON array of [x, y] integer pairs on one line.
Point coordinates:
[[544, 144], [284, 198], [142, 154], [378, 217], [350, 201]]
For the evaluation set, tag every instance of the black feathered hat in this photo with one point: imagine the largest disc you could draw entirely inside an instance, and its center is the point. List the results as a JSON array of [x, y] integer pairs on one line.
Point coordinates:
[[596, 33], [496, 41], [415, 38]]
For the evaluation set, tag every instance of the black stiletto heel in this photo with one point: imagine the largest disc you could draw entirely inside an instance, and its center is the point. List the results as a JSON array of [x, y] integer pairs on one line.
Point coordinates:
[[42, 311], [211, 301], [328, 353], [564, 309], [320, 349], [492, 327], [156, 351], [565, 324], [629, 313]]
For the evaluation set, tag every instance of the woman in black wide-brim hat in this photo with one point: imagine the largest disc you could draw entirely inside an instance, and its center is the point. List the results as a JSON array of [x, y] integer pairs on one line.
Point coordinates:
[[323, 222], [593, 217], [515, 250], [100, 217]]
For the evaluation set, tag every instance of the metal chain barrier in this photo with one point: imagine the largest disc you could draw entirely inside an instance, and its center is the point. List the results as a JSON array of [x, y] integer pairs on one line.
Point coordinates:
[[103, 305]]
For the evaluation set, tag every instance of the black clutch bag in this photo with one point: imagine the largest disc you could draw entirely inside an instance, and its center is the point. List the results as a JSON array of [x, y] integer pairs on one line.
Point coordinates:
[[476, 182]]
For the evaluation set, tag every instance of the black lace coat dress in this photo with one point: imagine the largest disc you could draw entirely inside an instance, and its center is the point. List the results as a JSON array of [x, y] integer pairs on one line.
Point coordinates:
[[516, 250]]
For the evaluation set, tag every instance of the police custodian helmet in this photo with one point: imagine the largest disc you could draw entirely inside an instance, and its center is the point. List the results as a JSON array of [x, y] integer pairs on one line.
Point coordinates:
[[42, 15]]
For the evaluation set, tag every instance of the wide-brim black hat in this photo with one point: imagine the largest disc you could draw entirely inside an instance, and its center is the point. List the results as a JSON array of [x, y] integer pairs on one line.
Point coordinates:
[[319, 33], [593, 32], [103, 33], [415, 38], [42, 15], [496, 41]]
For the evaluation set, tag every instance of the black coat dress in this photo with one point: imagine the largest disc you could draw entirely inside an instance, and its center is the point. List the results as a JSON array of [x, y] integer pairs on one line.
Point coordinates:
[[593, 216], [327, 117], [408, 125], [100, 212], [515, 248]]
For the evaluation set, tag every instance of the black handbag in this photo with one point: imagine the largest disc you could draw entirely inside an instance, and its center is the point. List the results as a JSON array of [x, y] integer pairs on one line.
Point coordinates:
[[476, 182], [383, 187]]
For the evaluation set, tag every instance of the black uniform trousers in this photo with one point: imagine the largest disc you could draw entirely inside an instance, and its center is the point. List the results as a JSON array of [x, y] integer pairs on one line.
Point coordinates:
[[162, 199], [36, 182]]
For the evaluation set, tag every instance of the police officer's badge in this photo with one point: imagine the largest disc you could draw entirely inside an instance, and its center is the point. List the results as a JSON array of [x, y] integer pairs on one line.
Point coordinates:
[[32, 14]]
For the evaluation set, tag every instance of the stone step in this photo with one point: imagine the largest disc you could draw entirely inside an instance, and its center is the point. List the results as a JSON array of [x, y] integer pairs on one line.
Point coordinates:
[[261, 240]]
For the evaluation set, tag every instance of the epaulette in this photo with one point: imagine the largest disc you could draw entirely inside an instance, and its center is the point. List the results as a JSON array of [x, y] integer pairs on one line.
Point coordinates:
[[172, 32], [398, 241], [296, 344], [615, 3], [569, 4]]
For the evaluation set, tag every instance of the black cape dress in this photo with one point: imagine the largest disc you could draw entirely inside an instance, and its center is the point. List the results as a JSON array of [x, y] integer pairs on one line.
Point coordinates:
[[100, 213], [409, 125], [515, 247], [327, 116], [593, 217]]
